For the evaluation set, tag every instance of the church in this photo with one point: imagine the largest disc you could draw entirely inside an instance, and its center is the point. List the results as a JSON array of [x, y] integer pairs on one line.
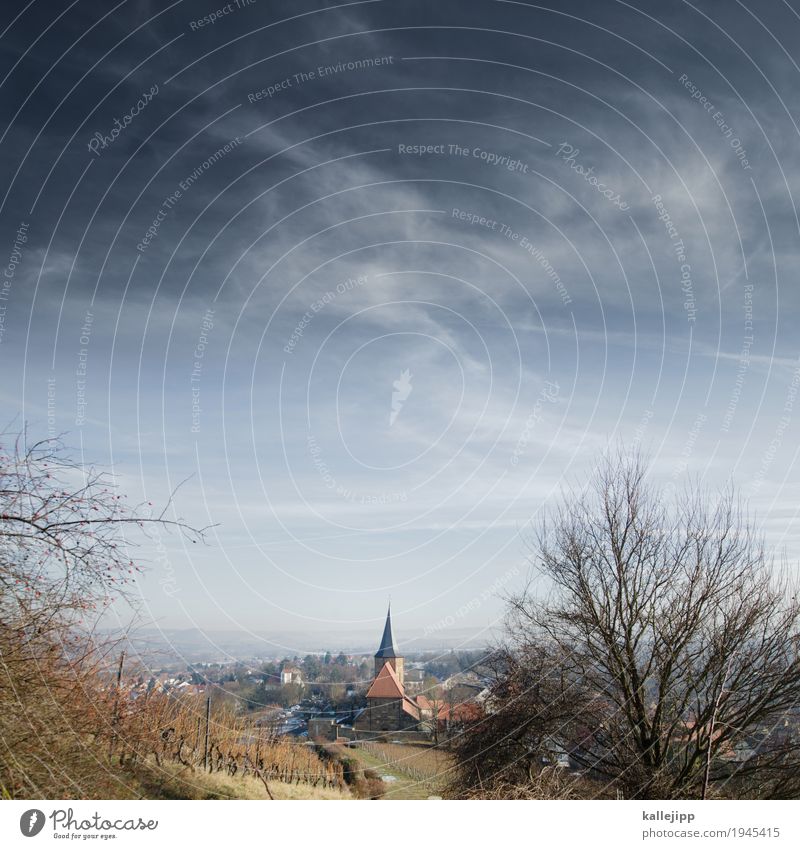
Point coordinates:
[[389, 708]]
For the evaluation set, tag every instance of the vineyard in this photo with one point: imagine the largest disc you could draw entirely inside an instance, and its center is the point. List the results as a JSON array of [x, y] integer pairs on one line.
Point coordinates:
[[422, 763], [180, 731]]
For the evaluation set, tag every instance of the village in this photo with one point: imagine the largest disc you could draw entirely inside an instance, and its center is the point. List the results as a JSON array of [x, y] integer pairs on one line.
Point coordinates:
[[343, 697], [382, 722]]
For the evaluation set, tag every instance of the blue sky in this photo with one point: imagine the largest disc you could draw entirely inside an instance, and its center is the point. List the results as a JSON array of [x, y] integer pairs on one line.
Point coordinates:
[[567, 226]]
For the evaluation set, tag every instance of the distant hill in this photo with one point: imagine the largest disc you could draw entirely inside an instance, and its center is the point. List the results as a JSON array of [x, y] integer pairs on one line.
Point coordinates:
[[195, 645]]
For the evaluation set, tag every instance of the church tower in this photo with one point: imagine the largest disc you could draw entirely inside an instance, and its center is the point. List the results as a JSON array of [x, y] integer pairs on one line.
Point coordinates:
[[389, 710], [387, 653]]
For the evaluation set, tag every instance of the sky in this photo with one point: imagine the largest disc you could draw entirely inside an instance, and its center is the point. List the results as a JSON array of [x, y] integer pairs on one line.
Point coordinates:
[[371, 283]]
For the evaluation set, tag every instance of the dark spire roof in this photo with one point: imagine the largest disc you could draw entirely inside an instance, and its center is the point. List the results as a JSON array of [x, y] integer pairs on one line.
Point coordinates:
[[387, 648]]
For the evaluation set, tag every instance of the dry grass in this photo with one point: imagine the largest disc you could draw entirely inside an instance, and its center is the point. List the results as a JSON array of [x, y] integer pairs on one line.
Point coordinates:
[[551, 784], [424, 763]]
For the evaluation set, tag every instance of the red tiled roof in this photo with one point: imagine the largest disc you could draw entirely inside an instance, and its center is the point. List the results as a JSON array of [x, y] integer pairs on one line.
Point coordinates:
[[441, 708], [410, 708], [386, 685]]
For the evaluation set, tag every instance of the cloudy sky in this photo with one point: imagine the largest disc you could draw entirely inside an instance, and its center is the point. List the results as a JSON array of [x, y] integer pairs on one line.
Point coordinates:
[[377, 279]]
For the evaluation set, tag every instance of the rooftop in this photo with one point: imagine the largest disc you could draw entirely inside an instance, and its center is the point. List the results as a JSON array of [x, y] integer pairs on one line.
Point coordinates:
[[387, 647], [386, 685]]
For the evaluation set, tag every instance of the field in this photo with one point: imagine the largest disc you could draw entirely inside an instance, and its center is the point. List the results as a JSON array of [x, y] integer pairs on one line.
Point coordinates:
[[415, 771]]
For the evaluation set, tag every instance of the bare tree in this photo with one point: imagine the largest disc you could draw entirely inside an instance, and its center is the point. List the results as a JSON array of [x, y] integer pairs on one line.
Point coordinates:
[[658, 647], [506, 750], [64, 555], [63, 543]]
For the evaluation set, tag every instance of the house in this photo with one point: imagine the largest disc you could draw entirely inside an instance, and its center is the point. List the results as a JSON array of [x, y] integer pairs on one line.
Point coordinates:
[[413, 681], [426, 706], [291, 675], [463, 679]]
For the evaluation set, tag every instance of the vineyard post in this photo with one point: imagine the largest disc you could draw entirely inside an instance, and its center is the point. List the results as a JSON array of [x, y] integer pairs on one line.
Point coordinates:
[[115, 713], [205, 745]]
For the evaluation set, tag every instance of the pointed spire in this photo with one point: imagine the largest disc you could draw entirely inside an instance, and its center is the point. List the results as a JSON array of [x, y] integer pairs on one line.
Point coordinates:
[[387, 647]]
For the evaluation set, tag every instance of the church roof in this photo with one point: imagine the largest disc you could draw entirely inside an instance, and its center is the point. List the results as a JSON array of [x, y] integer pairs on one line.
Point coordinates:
[[387, 647], [386, 685], [410, 707]]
